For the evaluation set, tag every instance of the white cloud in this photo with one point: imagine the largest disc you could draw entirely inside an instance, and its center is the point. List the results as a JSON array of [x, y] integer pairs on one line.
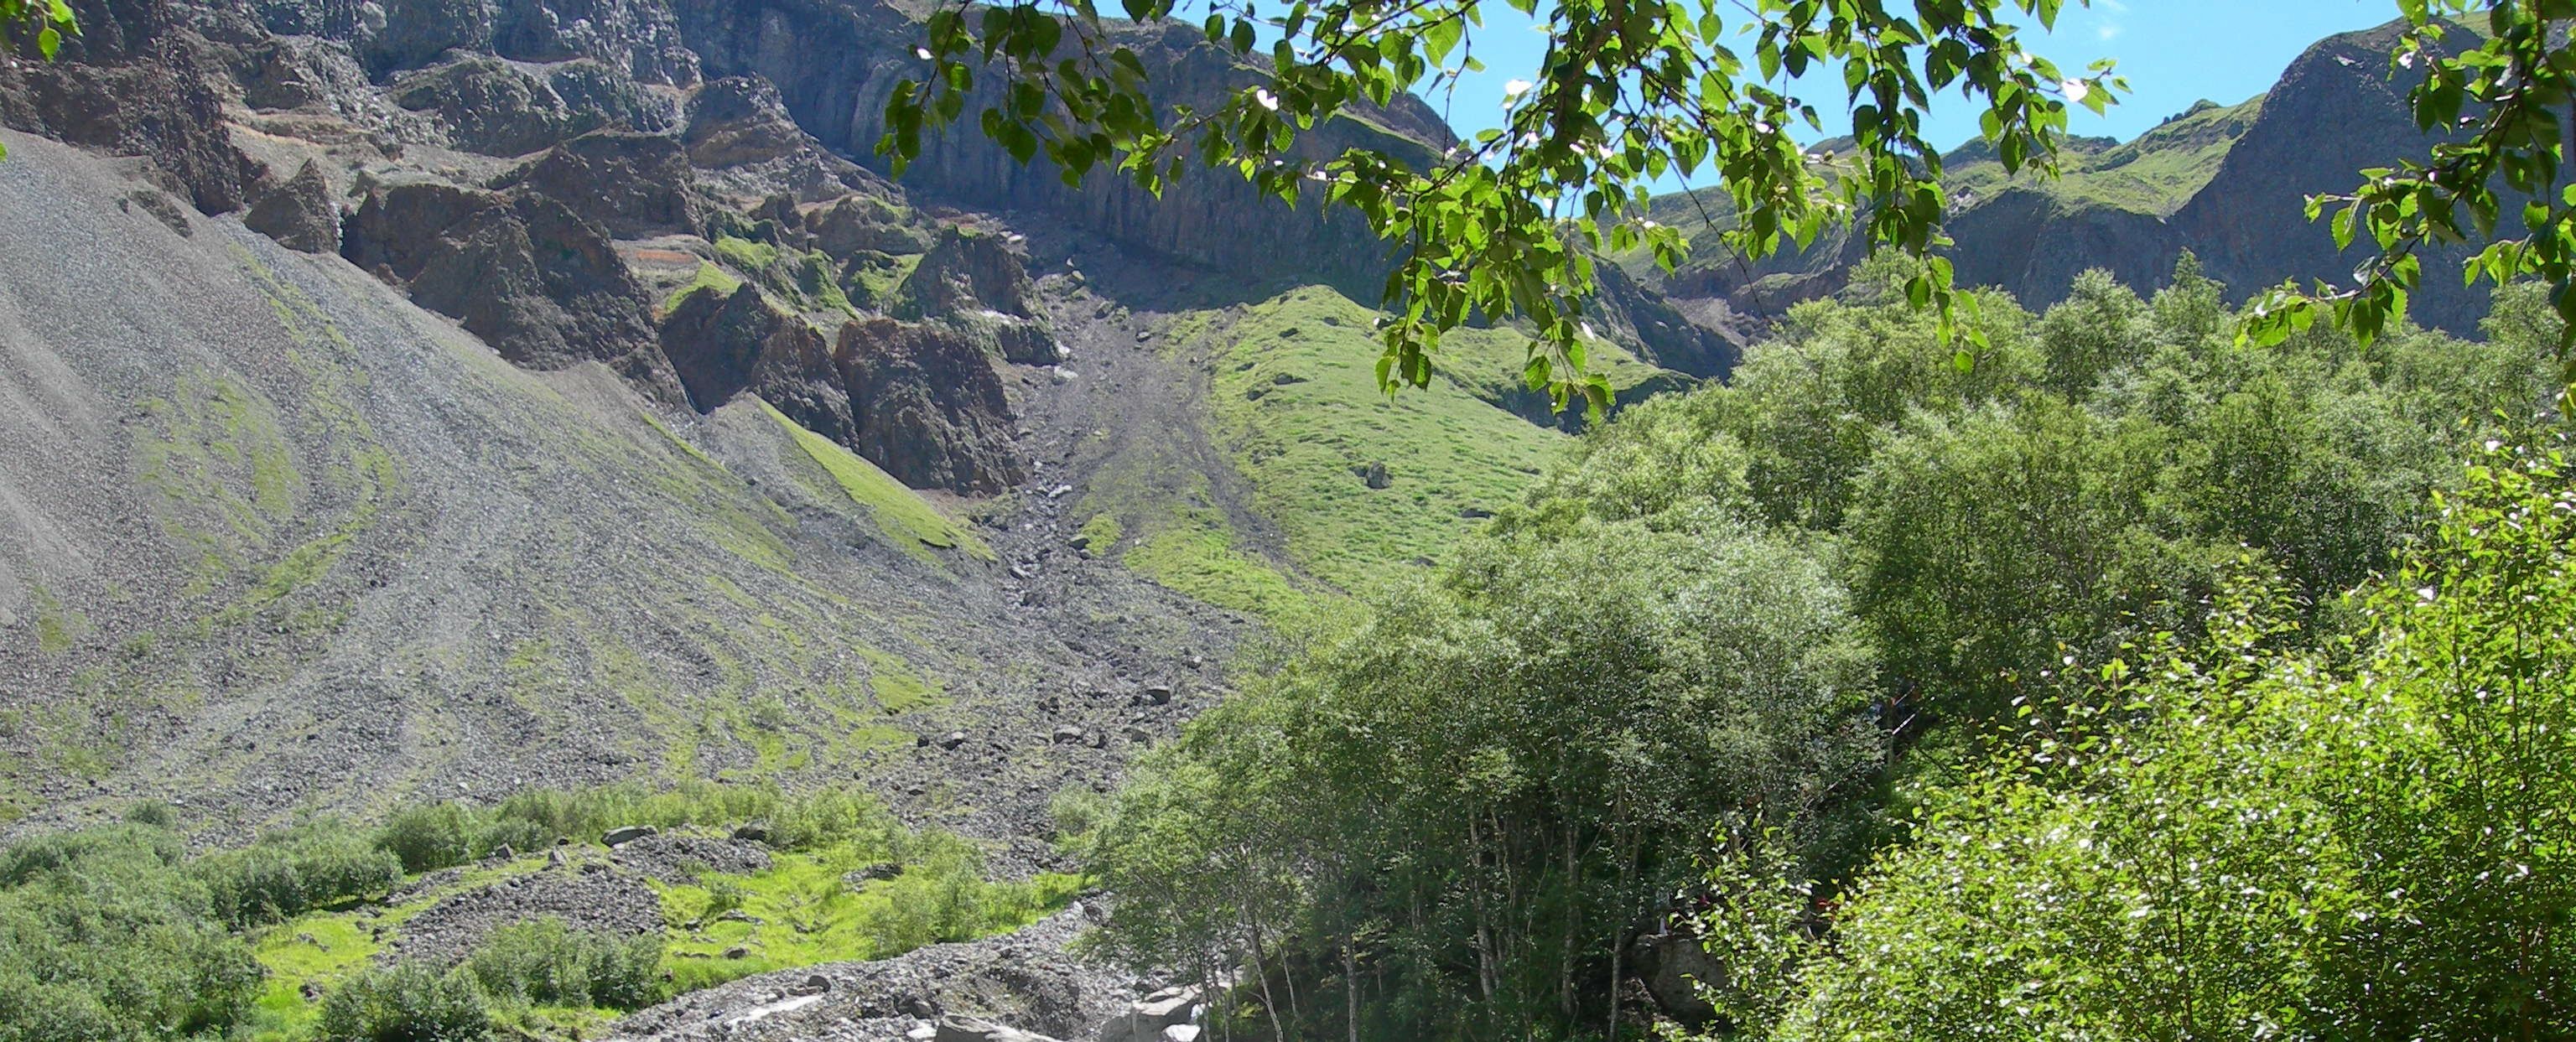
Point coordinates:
[[2106, 32]]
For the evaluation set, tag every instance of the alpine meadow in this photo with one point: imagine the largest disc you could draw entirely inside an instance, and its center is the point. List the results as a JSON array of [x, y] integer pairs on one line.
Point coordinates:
[[1287, 521]]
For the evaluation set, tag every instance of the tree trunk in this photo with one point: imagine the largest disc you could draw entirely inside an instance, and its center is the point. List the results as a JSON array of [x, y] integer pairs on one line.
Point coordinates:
[[1350, 986], [1565, 961]]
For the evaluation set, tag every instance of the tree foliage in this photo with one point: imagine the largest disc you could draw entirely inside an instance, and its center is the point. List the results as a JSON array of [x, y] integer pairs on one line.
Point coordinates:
[[1506, 226], [1446, 817], [1769, 623], [2249, 839]]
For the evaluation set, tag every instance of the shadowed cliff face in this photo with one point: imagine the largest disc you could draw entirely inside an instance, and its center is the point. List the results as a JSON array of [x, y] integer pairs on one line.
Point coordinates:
[[2336, 112], [835, 64]]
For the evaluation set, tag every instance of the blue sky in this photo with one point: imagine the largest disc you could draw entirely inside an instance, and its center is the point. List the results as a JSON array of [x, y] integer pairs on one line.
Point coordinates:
[[2173, 52]]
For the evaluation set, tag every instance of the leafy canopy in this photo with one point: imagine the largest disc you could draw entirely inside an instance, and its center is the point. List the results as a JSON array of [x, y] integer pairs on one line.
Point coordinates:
[[1505, 226]]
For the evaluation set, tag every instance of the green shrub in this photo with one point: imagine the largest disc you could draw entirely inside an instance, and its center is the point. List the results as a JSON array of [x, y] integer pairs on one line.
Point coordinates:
[[37, 855], [1076, 811], [102, 936], [428, 836], [289, 872], [515, 834], [724, 894], [411, 1002], [546, 962], [152, 812]]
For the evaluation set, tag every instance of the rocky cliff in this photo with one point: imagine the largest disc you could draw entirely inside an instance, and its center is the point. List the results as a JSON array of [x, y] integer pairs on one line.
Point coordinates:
[[2226, 183]]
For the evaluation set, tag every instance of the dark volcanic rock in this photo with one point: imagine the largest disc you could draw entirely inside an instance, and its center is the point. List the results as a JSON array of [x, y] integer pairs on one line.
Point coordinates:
[[739, 125], [494, 108], [298, 214], [157, 106], [927, 406], [608, 902], [526, 274], [863, 223], [637, 36], [1028, 980], [966, 269], [416, 31], [2335, 112], [725, 344], [634, 185], [979, 281], [835, 66]]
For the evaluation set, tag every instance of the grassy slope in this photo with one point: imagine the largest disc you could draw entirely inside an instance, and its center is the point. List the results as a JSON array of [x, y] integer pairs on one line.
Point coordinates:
[[899, 512], [2155, 173], [1295, 410]]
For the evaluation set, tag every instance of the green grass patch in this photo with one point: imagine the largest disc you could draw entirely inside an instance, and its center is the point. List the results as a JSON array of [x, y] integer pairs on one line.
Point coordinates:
[[746, 254], [1297, 410], [899, 512], [57, 625], [709, 276], [1102, 532], [1198, 557], [807, 909], [896, 686]]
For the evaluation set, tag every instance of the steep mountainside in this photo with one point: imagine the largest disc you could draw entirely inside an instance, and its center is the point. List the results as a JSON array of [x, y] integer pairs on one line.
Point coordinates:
[[448, 397], [2226, 183]]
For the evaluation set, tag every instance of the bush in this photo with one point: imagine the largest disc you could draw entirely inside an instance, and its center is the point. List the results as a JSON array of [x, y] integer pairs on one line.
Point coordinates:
[[287, 873], [427, 836], [101, 933], [546, 962], [515, 834], [411, 1002]]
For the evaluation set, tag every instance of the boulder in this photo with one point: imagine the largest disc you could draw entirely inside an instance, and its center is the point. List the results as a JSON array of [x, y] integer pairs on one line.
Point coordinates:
[[633, 185], [1148, 1019], [1067, 734], [964, 1029], [627, 834], [722, 345], [298, 213], [1672, 966], [927, 406], [542, 286]]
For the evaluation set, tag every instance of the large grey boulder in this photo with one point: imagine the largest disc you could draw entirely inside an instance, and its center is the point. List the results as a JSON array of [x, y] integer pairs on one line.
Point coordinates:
[[1152, 1018], [964, 1029]]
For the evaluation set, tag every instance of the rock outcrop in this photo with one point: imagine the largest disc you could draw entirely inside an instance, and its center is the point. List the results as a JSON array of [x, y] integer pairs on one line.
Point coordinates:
[[739, 130], [518, 269], [298, 213], [723, 345], [132, 84], [979, 282], [2249, 225], [495, 108], [926, 405], [633, 185]]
